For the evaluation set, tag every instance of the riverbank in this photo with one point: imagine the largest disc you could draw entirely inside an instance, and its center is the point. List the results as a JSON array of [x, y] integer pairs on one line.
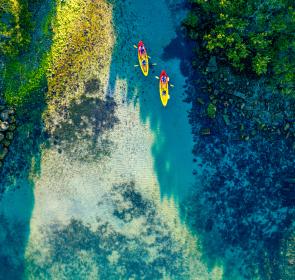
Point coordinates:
[[243, 129], [7, 127]]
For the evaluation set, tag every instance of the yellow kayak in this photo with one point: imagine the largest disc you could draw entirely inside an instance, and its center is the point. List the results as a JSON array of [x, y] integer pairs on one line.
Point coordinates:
[[164, 88], [143, 58]]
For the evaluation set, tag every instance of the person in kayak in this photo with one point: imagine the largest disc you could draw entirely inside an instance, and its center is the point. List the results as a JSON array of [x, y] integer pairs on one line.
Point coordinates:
[[164, 79], [143, 63], [164, 92], [142, 50]]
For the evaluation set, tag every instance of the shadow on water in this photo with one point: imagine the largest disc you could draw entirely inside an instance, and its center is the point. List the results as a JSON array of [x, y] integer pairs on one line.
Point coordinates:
[[86, 121], [23, 159], [140, 20]]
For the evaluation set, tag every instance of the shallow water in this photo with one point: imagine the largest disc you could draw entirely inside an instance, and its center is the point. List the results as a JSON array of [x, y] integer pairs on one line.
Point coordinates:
[[172, 146], [100, 196], [106, 205]]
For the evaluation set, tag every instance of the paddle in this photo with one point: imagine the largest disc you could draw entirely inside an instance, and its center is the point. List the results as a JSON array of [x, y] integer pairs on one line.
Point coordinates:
[[154, 64], [135, 46], [136, 65]]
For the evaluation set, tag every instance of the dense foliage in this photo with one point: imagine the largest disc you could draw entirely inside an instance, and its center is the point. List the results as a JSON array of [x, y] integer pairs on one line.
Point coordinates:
[[256, 36]]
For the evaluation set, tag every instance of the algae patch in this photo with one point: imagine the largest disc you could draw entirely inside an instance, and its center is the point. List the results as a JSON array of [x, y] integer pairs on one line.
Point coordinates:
[[82, 45]]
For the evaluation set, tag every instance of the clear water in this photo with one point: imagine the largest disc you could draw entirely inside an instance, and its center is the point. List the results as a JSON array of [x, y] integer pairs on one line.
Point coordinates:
[[101, 198], [107, 206], [172, 146]]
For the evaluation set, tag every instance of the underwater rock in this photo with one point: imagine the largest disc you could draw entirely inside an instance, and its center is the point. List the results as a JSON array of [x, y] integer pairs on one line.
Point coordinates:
[[205, 131], [6, 143], [7, 125], [11, 119], [239, 94], [287, 126], [3, 152], [201, 101], [4, 116], [212, 65], [278, 119], [9, 135], [4, 126], [226, 119], [12, 127]]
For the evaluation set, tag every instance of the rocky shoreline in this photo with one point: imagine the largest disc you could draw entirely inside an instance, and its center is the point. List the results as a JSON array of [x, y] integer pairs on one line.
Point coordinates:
[[250, 107], [7, 128]]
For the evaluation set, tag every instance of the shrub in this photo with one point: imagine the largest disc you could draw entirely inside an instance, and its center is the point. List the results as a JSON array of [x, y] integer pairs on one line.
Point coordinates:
[[256, 36]]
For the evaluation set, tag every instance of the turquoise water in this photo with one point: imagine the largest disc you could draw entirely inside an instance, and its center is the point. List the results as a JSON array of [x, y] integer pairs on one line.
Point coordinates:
[[110, 192], [173, 144], [107, 206]]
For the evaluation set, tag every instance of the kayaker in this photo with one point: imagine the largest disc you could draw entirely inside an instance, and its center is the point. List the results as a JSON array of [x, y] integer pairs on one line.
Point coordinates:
[[142, 50], [164, 92], [143, 62], [165, 79]]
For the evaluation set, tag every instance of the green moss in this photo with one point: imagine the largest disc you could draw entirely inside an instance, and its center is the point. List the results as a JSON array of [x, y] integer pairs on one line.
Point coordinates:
[[21, 83]]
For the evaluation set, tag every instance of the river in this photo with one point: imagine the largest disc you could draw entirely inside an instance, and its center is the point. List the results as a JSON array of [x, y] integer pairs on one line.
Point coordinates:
[[106, 205]]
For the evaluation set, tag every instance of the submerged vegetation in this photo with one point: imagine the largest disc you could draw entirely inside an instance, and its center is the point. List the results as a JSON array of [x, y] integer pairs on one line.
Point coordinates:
[[15, 24], [63, 45], [253, 36], [24, 57], [47, 49], [245, 60]]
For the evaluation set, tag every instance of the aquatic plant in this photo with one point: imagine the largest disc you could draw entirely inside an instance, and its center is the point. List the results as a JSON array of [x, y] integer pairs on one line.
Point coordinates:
[[77, 30], [26, 63], [211, 110], [14, 26], [251, 36], [132, 242], [81, 47]]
